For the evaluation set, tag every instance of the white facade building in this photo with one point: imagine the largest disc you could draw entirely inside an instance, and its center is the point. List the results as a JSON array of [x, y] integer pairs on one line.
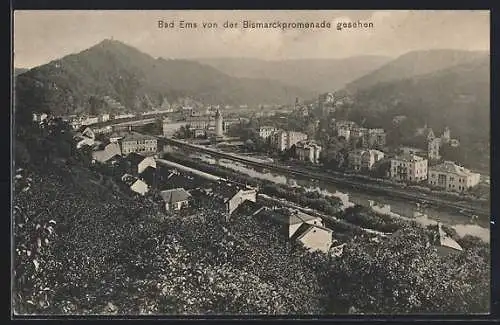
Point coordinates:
[[284, 140], [308, 151], [452, 177], [266, 131], [408, 168]]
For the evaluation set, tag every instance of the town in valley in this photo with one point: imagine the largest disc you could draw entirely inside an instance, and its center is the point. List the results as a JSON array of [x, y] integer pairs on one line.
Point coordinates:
[[141, 192]]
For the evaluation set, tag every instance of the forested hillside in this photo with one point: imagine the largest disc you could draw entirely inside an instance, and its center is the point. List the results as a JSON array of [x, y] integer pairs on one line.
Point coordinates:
[[457, 97], [414, 64], [137, 81]]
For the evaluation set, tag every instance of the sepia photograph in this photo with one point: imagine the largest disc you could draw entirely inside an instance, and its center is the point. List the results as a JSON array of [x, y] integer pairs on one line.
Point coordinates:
[[250, 163]]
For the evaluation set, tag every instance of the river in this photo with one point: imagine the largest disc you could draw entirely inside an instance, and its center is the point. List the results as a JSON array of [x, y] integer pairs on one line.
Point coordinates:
[[461, 223]]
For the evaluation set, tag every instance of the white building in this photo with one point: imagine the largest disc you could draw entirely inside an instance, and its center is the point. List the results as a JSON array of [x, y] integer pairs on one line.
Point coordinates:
[[433, 148], [314, 238], [408, 168], [234, 201], [175, 199], [124, 116], [358, 132], [364, 159], [452, 177], [90, 120], [284, 140], [136, 185], [344, 123], [344, 131], [105, 117], [266, 131], [308, 151], [304, 228], [37, 117], [375, 138]]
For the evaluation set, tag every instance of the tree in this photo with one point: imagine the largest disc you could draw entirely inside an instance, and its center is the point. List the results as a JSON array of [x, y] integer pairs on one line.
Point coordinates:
[[404, 274], [184, 132]]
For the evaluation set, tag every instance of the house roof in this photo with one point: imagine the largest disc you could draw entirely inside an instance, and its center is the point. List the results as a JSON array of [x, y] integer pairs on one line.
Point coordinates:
[[305, 228], [376, 131], [408, 157], [447, 241], [148, 175], [226, 190], [134, 158], [451, 168], [110, 151], [307, 144], [290, 217], [175, 195], [136, 183], [248, 207], [373, 152], [132, 136]]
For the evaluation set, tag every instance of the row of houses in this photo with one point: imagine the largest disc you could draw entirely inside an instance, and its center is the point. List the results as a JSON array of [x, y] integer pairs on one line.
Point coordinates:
[[370, 138], [281, 140], [227, 197], [364, 160], [446, 175], [84, 120], [125, 142]]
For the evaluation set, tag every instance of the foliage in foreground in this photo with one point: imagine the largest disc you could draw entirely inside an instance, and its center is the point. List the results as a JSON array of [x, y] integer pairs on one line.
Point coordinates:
[[104, 254], [82, 249]]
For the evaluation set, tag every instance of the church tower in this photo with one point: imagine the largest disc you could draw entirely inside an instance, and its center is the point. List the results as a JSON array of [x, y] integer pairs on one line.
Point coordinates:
[[433, 147], [219, 124], [446, 135]]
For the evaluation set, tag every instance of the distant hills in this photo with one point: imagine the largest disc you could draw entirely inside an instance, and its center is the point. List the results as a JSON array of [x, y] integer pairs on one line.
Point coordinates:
[[457, 96], [437, 87], [137, 80], [413, 64], [318, 75]]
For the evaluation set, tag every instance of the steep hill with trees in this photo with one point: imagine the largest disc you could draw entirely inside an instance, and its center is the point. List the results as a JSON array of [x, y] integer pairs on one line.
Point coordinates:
[[137, 81], [18, 71], [414, 64], [457, 97]]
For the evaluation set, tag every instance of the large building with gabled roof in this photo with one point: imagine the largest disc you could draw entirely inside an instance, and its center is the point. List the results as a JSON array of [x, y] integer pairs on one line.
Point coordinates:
[[452, 177]]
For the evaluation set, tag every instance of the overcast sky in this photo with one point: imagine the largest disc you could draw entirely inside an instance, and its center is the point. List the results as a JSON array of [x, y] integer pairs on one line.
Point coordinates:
[[42, 36]]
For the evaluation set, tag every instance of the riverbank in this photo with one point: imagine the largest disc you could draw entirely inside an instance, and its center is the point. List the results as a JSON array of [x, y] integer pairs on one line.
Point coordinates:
[[481, 209], [229, 169]]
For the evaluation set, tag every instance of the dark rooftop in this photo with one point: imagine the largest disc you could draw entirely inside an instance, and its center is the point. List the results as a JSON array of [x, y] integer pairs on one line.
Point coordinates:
[[175, 195]]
